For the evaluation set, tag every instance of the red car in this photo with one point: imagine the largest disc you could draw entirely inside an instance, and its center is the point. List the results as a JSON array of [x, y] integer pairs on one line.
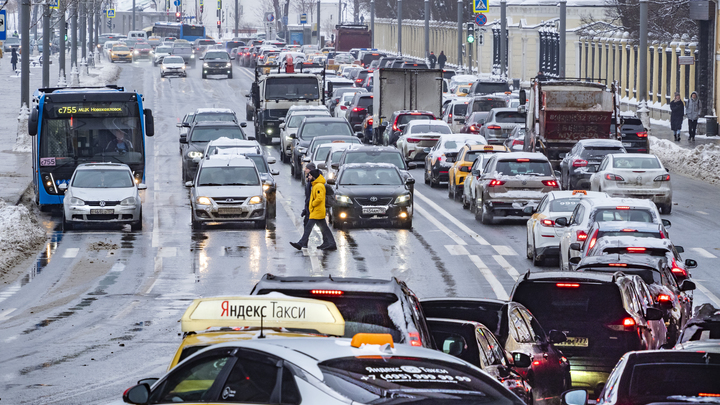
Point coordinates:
[[473, 124]]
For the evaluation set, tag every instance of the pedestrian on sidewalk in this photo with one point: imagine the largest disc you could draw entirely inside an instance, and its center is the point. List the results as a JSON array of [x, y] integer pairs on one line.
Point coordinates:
[[692, 111], [316, 208], [308, 191], [432, 59], [677, 112], [14, 59], [442, 59]]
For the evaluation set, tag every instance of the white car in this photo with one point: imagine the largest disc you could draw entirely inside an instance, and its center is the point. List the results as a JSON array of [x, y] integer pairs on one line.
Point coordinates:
[[290, 125], [369, 368], [634, 175], [543, 237], [454, 114], [419, 135], [102, 193], [441, 157], [322, 155], [160, 53], [173, 65], [342, 106], [228, 146]]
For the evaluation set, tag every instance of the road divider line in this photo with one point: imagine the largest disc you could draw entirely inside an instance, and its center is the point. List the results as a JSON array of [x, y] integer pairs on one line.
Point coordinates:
[[458, 240], [497, 288], [506, 266], [70, 253], [167, 251], [457, 250], [712, 297], [288, 209], [117, 267], [702, 212], [504, 250], [156, 222], [704, 253], [156, 274], [452, 219], [9, 292], [5, 313]]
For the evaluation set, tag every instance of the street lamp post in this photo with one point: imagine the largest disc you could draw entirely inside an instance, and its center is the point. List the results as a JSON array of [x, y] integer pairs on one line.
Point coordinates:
[[427, 28], [61, 42], [46, 45], [460, 32], [372, 24], [642, 65], [25, 59], [503, 38], [563, 29], [399, 13]]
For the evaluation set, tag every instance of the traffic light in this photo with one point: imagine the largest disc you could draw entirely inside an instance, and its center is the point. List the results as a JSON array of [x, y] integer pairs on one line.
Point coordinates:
[[109, 24], [178, 16], [201, 9], [219, 28], [471, 33]]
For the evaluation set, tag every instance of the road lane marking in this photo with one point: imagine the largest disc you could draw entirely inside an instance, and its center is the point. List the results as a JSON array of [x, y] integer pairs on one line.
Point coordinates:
[[9, 292], [704, 253], [712, 297], [117, 267], [702, 212], [452, 219], [5, 313], [497, 288], [167, 251], [506, 266], [156, 222], [458, 240], [504, 250], [71, 253], [457, 250]]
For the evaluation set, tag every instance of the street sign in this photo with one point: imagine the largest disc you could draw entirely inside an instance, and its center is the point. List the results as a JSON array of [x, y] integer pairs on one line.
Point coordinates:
[[54, 4], [269, 17], [481, 6], [303, 18], [3, 27], [177, 3], [480, 19], [686, 60], [111, 13]]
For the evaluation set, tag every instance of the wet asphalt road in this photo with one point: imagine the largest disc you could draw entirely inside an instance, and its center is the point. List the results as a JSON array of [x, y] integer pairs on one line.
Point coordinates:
[[99, 308]]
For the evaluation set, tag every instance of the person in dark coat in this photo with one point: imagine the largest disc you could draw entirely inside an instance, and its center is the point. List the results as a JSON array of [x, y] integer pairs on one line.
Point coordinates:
[[442, 59], [432, 59], [677, 112], [541, 76], [692, 111], [14, 59], [308, 190]]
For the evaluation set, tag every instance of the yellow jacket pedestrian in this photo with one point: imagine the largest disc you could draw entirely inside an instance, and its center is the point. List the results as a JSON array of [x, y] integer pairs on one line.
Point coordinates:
[[317, 199]]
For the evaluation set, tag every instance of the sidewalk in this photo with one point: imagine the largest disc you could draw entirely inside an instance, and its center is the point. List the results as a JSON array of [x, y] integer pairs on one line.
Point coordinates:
[[661, 130]]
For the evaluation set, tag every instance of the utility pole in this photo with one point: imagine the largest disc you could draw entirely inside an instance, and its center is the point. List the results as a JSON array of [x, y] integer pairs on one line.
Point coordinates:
[[372, 24], [25, 58], [460, 33], [61, 42], [83, 33], [318, 25], [399, 13], [133, 16], [563, 29], [237, 22], [74, 36], [503, 38], [46, 45], [642, 66], [91, 27], [427, 28]]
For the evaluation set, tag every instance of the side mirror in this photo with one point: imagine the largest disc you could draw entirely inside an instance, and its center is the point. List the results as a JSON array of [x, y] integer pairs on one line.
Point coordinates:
[[251, 138], [202, 58], [282, 126], [139, 394], [666, 223], [271, 160], [557, 174], [426, 150], [690, 263], [188, 184], [243, 125], [183, 138], [402, 127], [574, 397], [330, 181], [592, 169], [335, 165], [575, 246], [274, 172], [653, 314], [63, 187], [687, 285], [281, 119], [322, 166], [412, 165], [523, 97], [149, 122], [33, 122], [306, 159], [521, 360], [357, 128], [293, 136], [410, 181], [142, 186], [680, 249], [562, 221], [529, 210], [475, 172], [556, 336], [574, 260]]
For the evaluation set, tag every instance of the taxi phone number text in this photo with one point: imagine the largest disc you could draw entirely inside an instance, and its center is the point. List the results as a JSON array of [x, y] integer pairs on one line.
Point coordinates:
[[395, 377]]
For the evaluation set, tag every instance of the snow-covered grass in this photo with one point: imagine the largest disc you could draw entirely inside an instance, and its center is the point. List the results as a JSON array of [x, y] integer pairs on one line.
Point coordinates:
[[700, 163], [20, 234]]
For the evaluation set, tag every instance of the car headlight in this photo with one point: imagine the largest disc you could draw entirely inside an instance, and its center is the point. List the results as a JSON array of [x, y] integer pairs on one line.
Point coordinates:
[[402, 199], [128, 201], [342, 199], [182, 67], [268, 130], [136, 52], [255, 200], [266, 187], [76, 201], [195, 154], [228, 64], [203, 201], [192, 56], [301, 150], [206, 65]]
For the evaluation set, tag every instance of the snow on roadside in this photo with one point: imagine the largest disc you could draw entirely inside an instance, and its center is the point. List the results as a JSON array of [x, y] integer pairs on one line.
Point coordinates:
[[100, 75], [700, 162], [20, 235]]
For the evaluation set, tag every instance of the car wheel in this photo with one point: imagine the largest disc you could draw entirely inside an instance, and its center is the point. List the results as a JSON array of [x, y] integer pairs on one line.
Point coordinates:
[[112, 60], [261, 224], [465, 203], [666, 208], [536, 261], [450, 191], [529, 249], [162, 75], [138, 225], [230, 76], [204, 76], [296, 170], [475, 210], [66, 225], [486, 216], [433, 183]]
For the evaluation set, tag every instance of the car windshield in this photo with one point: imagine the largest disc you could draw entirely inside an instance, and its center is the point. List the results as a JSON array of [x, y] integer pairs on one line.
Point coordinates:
[[598, 152], [524, 167], [487, 105], [377, 380], [217, 55], [297, 119], [228, 176], [211, 134], [636, 163], [675, 381], [393, 158], [163, 49], [313, 129], [173, 59], [424, 129], [510, 117], [614, 214], [322, 153], [99, 178], [215, 117], [563, 204], [296, 88], [405, 118], [12, 41], [370, 176], [120, 49]]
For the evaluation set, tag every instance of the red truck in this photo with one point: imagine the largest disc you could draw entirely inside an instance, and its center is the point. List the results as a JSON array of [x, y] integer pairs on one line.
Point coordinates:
[[351, 36]]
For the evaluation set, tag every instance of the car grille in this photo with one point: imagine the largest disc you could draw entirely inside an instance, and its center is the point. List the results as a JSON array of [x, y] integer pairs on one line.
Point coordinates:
[[229, 200], [107, 203], [380, 201], [217, 65], [101, 217]]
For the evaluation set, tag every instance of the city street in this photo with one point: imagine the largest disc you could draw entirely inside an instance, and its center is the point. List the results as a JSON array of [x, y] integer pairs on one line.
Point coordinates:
[[98, 309]]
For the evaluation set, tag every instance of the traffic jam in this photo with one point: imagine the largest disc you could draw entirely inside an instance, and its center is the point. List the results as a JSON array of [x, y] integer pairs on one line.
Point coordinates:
[[603, 315]]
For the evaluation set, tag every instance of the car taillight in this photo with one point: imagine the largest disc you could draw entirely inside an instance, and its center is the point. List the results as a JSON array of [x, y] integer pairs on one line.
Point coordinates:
[[567, 285], [326, 292], [473, 128], [439, 159], [614, 177], [550, 183], [522, 160], [622, 207], [370, 121], [358, 109], [494, 127], [636, 250], [593, 240], [579, 163], [641, 134], [664, 298], [624, 325], [413, 140], [581, 235], [663, 177], [678, 270], [617, 264], [494, 183], [343, 107], [415, 339], [465, 169], [548, 222], [358, 81], [517, 142]]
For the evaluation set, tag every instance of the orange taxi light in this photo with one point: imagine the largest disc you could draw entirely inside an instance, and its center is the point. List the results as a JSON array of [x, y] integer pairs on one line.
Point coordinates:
[[579, 192], [372, 339]]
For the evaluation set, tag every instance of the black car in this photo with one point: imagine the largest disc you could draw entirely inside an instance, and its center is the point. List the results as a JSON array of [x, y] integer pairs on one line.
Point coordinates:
[[634, 134], [601, 314], [378, 154], [489, 87], [206, 114], [366, 304], [370, 193], [338, 93], [360, 77], [309, 129], [585, 154], [704, 326], [263, 163], [484, 103], [399, 119], [358, 108], [216, 62], [518, 331], [383, 62], [192, 144]]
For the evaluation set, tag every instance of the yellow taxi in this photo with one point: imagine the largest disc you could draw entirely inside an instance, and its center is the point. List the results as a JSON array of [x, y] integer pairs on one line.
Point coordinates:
[[463, 89], [464, 161], [120, 52], [208, 321]]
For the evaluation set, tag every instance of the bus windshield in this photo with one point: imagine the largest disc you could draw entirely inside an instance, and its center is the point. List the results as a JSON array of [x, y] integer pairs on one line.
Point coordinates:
[[108, 131], [295, 88]]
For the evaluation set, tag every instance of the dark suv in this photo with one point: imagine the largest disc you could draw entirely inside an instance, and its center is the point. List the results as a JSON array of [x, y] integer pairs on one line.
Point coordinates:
[[484, 103], [634, 134], [216, 62], [397, 122], [601, 314], [585, 154], [367, 305], [358, 108], [377, 154], [309, 129], [489, 87], [192, 144]]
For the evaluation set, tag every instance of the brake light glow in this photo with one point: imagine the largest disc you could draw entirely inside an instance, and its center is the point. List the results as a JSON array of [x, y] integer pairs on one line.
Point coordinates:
[[593, 240], [473, 128], [551, 183], [579, 163], [343, 107], [617, 264], [663, 177], [641, 134], [326, 292], [517, 142], [536, 363], [413, 140], [664, 298], [581, 235], [629, 230], [494, 127], [494, 183], [627, 322], [635, 249], [522, 160], [625, 325], [703, 394], [678, 270], [567, 285], [415, 339], [370, 121], [547, 222], [614, 177], [622, 207], [358, 109]]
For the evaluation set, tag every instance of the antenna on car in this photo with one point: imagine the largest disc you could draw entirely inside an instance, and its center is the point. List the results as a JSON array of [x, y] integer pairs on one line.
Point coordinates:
[[262, 336]]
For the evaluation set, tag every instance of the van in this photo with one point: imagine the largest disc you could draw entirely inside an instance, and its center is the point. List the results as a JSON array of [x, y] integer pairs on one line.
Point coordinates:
[[137, 34]]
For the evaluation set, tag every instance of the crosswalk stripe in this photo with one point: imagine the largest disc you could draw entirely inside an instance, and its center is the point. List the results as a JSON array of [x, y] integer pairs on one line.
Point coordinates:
[[504, 250], [440, 225], [506, 266], [452, 219], [70, 253], [456, 250], [497, 288], [704, 253]]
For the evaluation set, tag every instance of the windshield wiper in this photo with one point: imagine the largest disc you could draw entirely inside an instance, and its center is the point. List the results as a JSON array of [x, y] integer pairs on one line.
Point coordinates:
[[210, 184], [236, 184]]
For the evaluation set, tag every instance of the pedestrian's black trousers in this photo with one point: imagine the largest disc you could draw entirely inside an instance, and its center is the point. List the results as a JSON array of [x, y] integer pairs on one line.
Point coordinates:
[[328, 239]]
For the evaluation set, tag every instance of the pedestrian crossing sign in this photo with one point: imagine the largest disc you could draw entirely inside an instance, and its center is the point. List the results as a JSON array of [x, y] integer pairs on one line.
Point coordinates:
[[111, 13], [54, 4], [481, 6]]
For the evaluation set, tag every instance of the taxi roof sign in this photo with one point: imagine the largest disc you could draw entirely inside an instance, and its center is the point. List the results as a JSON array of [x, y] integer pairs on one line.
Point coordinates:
[[372, 339], [273, 310]]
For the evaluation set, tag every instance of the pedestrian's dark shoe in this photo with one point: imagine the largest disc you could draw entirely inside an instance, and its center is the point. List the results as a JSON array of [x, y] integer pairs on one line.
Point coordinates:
[[331, 247], [297, 245]]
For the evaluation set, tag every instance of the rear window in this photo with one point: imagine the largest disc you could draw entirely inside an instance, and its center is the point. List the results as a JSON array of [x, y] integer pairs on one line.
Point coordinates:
[[510, 117], [516, 168], [488, 88], [599, 152], [636, 163], [322, 153], [314, 129], [460, 109], [369, 57], [577, 302], [613, 214], [487, 105], [214, 116], [211, 134], [673, 380], [365, 101], [405, 118], [563, 204], [424, 129]]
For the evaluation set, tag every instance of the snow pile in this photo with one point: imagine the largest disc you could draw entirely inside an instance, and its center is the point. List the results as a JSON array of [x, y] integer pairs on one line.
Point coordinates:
[[700, 162], [22, 140], [101, 75], [20, 235]]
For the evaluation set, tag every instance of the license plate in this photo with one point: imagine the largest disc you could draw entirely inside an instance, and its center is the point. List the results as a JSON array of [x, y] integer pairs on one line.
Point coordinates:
[[627, 144], [575, 342], [102, 211], [230, 211], [373, 210]]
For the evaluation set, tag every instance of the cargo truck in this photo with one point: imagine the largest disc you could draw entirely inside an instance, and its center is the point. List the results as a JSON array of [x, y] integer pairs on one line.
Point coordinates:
[[351, 36]]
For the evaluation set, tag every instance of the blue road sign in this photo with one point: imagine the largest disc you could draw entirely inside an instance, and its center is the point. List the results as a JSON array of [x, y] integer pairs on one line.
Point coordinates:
[[303, 18], [480, 19], [111, 13], [3, 26], [54, 4], [177, 3], [480, 6]]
